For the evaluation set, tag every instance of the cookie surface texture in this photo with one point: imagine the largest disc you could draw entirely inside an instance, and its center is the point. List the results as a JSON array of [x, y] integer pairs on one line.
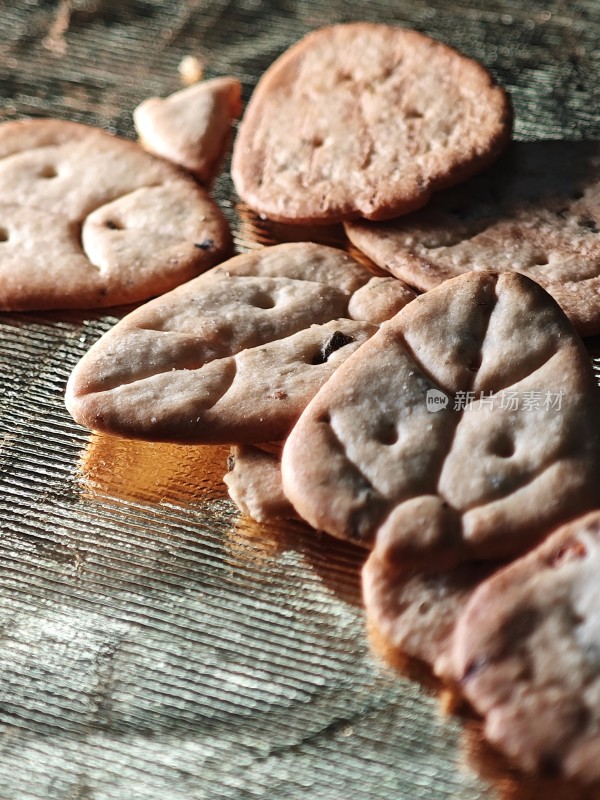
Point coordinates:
[[468, 426], [234, 355], [525, 652], [192, 127], [415, 612], [254, 483], [537, 212], [91, 220], [365, 120]]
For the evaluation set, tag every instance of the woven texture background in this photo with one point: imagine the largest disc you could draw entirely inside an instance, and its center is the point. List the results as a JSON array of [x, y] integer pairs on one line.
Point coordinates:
[[153, 645]]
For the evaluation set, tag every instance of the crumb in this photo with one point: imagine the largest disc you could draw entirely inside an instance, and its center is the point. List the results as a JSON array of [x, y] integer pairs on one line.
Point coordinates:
[[190, 69]]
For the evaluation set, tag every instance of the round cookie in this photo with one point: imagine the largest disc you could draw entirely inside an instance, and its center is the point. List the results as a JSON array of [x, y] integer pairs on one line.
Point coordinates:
[[465, 428], [91, 220], [526, 652], [537, 212], [234, 355], [365, 120]]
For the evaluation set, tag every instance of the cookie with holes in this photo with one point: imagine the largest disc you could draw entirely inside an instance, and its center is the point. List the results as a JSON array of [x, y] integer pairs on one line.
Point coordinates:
[[234, 355], [520, 216], [191, 127], [365, 120], [526, 653], [91, 220], [465, 428]]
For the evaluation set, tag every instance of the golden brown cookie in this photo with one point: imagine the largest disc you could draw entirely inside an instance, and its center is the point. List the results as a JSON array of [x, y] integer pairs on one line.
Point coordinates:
[[526, 653], [466, 428], [91, 220], [365, 120], [254, 483], [234, 355], [537, 212], [192, 127]]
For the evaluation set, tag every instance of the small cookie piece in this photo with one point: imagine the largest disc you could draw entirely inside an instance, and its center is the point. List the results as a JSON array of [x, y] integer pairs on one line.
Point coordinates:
[[466, 427], [91, 220], [254, 484], [536, 212], [365, 120], [415, 612], [234, 355], [526, 653], [191, 128]]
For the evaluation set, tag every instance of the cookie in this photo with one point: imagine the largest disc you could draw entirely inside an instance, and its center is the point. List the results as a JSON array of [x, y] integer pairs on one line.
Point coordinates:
[[414, 613], [526, 654], [365, 120], [91, 220], [254, 483], [466, 428], [191, 128], [234, 355], [536, 212]]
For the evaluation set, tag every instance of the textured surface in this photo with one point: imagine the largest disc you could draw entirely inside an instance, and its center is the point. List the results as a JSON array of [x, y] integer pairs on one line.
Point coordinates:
[[154, 646]]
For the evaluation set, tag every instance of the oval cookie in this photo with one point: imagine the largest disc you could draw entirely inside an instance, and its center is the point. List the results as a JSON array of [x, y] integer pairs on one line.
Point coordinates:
[[234, 355], [536, 212], [467, 427], [91, 220], [365, 120], [526, 652]]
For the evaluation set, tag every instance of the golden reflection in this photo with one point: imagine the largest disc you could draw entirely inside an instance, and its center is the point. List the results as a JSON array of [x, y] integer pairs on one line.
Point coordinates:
[[336, 563], [152, 472]]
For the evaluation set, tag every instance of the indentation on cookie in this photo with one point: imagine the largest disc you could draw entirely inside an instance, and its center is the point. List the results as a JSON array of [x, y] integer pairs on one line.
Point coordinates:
[[502, 445], [4, 235], [589, 224], [262, 300], [48, 172], [412, 113], [571, 551], [113, 226], [387, 433], [336, 341]]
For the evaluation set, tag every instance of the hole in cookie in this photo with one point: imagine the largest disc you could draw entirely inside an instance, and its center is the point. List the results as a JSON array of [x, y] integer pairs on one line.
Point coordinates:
[[344, 75], [3, 235], [412, 113], [540, 259], [475, 364], [503, 446], [317, 141], [325, 419], [387, 434], [112, 225], [262, 300], [48, 172], [424, 607]]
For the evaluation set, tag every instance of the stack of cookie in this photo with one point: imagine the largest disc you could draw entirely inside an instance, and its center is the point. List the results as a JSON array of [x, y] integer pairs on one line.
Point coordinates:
[[452, 433]]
